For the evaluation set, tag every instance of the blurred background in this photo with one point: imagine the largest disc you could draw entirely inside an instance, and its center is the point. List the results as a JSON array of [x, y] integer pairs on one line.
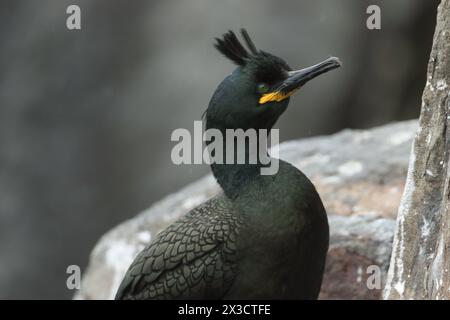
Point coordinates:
[[86, 116]]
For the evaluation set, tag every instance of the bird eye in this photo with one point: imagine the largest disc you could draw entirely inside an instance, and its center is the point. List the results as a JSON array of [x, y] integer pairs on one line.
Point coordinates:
[[263, 88]]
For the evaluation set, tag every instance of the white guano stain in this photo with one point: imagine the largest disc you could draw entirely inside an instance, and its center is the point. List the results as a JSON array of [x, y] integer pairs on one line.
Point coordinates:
[[428, 139], [400, 287], [441, 85], [436, 274], [430, 173], [425, 230], [395, 279]]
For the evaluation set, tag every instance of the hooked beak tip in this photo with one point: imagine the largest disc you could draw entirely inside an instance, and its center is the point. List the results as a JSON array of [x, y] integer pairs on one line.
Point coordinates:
[[335, 60]]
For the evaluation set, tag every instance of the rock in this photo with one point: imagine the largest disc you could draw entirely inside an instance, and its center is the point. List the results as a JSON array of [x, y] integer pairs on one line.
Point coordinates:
[[359, 174], [419, 269], [356, 244]]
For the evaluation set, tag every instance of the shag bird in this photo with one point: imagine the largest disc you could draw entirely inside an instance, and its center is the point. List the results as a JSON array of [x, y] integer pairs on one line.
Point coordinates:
[[264, 236]]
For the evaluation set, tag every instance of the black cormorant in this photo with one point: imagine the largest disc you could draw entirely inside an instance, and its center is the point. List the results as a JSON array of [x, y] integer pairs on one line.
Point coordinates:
[[265, 236]]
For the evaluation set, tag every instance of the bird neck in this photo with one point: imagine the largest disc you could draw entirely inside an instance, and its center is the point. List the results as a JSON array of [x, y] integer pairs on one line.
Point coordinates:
[[242, 163], [233, 177]]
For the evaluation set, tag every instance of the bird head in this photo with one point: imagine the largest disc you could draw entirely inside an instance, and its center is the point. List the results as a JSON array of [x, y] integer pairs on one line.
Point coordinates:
[[257, 92]]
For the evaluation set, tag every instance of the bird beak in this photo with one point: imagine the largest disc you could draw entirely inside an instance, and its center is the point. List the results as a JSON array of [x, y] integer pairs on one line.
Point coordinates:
[[296, 79]]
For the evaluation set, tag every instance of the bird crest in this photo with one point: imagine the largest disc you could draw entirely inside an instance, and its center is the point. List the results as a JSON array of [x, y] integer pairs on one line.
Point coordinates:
[[230, 46]]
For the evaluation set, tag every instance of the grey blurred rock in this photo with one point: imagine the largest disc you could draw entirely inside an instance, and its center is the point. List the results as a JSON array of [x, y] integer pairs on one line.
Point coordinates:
[[359, 174]]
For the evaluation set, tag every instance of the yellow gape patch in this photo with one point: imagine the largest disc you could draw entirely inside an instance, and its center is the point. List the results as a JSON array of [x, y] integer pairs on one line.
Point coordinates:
[[275, 96]]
